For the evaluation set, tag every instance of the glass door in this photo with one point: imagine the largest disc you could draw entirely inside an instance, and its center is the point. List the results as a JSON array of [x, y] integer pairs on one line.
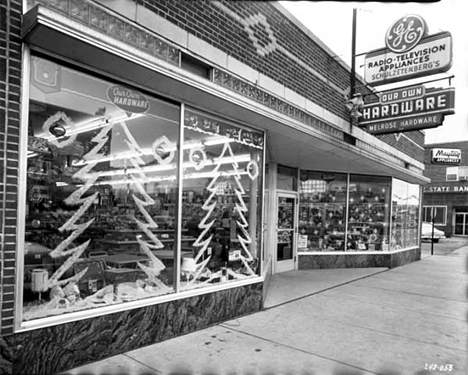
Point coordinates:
[[461, 224], [286, 229]]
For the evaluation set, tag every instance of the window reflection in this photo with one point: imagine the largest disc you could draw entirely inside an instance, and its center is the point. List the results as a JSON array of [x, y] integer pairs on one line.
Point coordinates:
[[405, 215]]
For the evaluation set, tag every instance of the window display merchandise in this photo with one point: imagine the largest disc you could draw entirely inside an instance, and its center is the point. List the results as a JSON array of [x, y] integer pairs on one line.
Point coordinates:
[[322, 210], [345, 212], [369, 211], [103, 186]]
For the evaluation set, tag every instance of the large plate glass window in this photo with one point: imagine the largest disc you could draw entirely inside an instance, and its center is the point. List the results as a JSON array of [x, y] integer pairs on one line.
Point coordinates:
[[101, 193], [322, 211], [368, 213], [222, 198], [405, 215]]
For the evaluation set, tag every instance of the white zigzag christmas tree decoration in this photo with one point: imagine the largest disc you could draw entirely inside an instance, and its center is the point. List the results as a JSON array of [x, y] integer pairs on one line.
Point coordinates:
[[145, 246], [206, 225], [75, 198]]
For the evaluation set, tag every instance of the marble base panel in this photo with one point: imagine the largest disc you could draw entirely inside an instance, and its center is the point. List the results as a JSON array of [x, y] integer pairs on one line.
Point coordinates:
[[50, 350], [388, 260]]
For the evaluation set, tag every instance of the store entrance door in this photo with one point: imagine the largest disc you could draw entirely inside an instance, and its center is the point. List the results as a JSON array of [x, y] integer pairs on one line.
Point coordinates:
[[286, 230], [461, 224]]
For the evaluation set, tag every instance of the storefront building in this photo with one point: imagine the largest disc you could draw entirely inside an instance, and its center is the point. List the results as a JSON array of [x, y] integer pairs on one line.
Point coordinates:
[[445, 198], [162, 159]]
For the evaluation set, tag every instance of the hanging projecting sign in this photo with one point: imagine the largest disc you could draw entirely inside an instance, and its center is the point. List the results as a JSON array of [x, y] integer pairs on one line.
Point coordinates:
[[445, 156], [407, 109], [130, 101], [409, 53]]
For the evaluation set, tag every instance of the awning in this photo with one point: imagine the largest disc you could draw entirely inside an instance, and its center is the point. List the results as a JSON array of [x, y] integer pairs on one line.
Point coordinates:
[[289, 142]]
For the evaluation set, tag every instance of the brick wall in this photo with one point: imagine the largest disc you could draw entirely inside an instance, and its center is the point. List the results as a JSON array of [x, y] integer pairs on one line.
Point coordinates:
[[223, 30], [410, 143], [10, 79]]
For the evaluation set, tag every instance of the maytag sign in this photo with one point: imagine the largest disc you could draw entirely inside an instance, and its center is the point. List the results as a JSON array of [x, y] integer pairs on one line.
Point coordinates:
[[450, 156], [409, 53], [407, 109]]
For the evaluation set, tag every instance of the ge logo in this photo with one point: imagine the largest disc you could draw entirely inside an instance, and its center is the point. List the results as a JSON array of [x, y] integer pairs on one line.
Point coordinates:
[[405, 33]]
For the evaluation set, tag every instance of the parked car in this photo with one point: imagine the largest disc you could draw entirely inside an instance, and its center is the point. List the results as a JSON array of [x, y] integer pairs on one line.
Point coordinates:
[[426, 232]]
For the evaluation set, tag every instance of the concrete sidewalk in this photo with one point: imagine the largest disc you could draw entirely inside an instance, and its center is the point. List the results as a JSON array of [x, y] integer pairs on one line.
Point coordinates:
[[406, 321]]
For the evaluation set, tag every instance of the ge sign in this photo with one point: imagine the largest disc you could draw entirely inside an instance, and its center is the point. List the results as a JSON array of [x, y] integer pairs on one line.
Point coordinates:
[[405, 33]]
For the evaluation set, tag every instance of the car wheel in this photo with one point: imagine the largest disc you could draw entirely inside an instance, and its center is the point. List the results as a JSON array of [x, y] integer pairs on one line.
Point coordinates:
[[435, 240]]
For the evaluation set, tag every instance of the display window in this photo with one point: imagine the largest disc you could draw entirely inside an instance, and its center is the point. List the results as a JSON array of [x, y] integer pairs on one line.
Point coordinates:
[[322, 211], [341, 212], [405, 215], [369, 213], [102, 195], [221, 204]]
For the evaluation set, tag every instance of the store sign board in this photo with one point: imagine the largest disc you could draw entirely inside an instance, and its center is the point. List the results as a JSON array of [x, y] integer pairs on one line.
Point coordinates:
[[406, 124], [129, 100], [445, 156], [415, 111], [446, 189], [432, 55]]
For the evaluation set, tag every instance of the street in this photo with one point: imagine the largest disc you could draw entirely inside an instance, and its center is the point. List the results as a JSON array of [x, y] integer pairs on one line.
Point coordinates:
[[444, 247]]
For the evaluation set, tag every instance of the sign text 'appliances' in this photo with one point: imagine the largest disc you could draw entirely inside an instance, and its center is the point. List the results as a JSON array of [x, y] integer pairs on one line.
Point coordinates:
[[432, 55]]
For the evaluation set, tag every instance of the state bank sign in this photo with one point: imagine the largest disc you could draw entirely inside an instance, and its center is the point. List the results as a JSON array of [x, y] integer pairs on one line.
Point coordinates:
[[410, 53], [407, 109]]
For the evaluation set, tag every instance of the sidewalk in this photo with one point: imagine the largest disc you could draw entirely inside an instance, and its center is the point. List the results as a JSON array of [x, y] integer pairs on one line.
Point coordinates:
[[404, 321]]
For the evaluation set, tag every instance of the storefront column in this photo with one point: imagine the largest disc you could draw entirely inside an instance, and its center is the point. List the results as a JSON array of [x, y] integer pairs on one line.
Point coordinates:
[[272, 212], [253, 205]]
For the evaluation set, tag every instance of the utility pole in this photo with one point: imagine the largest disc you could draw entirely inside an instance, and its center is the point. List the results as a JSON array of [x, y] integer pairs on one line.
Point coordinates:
[[353, 57], [352, 84]]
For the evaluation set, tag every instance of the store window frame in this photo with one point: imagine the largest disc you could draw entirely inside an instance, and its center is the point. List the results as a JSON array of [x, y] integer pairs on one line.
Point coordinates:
[[21, 325], [425, 214]]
